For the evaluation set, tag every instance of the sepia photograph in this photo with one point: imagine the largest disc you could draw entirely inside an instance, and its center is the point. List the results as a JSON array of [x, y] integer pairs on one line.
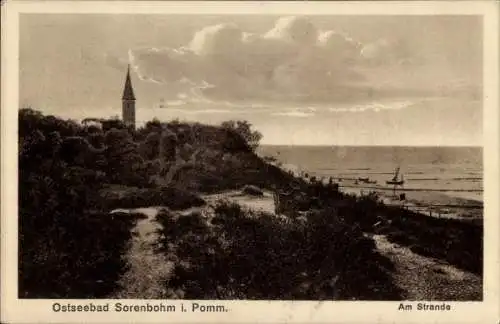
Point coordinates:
[[249, 157]]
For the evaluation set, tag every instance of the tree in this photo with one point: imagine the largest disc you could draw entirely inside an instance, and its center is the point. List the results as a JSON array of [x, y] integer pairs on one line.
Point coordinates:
[[153, 125], [169, 142], [116, 123], [122, 156], [150, 147], [244, 129]]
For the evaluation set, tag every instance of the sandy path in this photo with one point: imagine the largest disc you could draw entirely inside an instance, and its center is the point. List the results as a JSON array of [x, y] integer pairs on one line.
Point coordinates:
[[424, 278], [148, 269]]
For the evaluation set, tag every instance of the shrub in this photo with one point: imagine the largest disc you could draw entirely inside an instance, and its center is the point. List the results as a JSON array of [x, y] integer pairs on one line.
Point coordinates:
[[252, 190], [244, 129], [225, 209]]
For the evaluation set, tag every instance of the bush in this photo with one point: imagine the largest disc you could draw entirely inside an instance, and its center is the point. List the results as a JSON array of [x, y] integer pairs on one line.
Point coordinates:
[[227, 210], [252, 190], [244, 129]]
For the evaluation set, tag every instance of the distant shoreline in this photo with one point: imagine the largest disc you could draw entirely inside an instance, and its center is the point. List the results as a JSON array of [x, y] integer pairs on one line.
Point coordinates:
[[412, 189]]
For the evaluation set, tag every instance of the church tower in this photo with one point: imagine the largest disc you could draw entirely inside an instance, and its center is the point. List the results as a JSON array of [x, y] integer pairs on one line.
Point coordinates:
[[128, 101]]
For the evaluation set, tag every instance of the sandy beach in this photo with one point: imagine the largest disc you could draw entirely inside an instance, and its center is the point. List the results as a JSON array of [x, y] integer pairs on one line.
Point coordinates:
[[457, 205], [437, 202]]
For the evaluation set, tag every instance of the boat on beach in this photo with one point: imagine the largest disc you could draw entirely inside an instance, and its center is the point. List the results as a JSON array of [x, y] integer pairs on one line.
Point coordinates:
[[395, 181], [366, 180]]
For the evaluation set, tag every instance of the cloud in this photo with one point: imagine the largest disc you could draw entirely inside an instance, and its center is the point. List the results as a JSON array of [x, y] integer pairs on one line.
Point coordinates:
[[391, 51], [293, 30], [297, 112], [200, 111], [340, 46], [175, 103], [293, 114], [163, 65], [221, 39], [292, 62], [377, 106]]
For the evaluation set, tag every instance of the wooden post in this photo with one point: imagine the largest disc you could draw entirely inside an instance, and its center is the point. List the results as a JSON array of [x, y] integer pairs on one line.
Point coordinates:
[[276, 201]]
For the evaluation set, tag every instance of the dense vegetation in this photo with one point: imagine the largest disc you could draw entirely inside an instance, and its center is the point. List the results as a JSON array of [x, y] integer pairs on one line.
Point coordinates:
[[72, 175], [68, 245]]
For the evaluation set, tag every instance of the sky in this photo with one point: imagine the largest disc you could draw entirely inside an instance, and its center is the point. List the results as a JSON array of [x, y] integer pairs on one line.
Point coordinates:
[[300, 80]]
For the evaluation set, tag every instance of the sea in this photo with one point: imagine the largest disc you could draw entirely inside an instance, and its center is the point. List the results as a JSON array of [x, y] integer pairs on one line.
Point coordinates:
[[454, 171]]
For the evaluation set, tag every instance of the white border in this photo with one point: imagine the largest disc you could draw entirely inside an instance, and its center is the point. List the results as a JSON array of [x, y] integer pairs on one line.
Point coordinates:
[[15, 310]]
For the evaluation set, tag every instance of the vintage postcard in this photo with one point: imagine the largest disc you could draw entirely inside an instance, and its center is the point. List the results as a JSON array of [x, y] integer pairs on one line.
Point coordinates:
[[233, 162]]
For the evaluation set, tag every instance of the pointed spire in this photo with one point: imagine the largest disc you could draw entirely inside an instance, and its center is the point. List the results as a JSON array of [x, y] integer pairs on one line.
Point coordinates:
[[128, 91]]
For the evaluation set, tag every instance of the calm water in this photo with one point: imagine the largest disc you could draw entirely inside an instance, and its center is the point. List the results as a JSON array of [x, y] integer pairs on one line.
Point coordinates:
[[449, 169]]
